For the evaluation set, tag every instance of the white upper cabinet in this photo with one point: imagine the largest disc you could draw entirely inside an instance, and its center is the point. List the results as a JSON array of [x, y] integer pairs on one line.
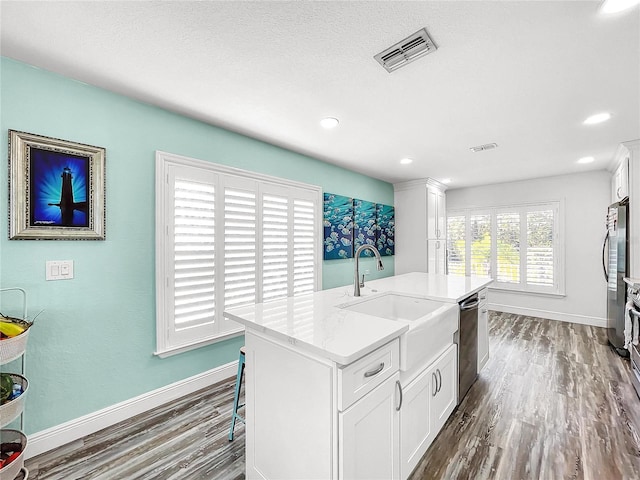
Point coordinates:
[[436, 213], [620, 179], [421, 226], [626, 182]]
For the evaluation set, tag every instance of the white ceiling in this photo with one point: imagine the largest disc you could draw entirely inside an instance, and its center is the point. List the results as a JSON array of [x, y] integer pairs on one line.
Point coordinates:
[[522, 74]]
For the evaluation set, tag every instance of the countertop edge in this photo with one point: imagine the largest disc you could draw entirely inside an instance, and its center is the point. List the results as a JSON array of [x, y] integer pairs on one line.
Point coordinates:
[[445, 289], [341, 360]]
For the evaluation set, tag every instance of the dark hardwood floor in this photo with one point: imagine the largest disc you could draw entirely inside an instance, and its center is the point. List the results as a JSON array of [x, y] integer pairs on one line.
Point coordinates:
[[553, 402]]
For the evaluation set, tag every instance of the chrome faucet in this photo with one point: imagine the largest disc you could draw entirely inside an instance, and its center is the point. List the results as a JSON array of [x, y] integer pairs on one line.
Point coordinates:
[[356, 289]]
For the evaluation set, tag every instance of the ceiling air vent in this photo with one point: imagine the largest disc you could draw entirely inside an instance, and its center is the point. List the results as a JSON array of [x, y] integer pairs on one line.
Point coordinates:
[[406, 51], [482, 148]]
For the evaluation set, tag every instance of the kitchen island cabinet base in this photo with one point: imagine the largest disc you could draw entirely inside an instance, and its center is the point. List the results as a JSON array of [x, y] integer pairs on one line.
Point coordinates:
[[290, 420], [298, 423], [429, 399]]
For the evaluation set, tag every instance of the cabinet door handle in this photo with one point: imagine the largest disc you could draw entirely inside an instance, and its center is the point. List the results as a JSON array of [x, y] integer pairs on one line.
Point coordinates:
[[618, 192], [435, 384], [439, 380], [400, 391], [375, 371], [484, 310]]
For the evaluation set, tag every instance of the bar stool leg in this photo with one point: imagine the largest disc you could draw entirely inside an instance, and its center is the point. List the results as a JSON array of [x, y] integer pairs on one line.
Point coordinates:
[[236, 399]]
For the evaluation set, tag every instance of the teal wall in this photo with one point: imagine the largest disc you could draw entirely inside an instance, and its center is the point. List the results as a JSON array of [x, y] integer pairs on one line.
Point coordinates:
[[93, 345]]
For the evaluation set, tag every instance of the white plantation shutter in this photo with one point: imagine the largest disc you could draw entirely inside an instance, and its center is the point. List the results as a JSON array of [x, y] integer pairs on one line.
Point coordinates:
[[540, 255], [194, 248], [304, 251], [191, 262], [275, 247], [519, 246], [227, 238], [480, 245], [456, 245], [508, 247], [240, 249]]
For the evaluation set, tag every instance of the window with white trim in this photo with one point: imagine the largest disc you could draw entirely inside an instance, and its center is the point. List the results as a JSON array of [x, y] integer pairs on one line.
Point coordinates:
[[225, 238], [519, 246]]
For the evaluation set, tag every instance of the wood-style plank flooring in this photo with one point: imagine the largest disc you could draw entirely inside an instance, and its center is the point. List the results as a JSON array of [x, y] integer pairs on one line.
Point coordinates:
[[186, 439], [553, 402]]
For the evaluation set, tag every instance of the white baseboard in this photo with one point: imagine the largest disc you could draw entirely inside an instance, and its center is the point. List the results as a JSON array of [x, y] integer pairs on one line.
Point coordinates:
[[563, 317], [75, 429]]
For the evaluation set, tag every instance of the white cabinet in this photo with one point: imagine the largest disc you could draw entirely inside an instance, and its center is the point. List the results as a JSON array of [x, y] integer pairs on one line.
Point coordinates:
[[370, 431], [436, 229], [436, 256], [436, 212], [415, 421], [625, 169], [307, 417], [445, 372], [421, 226], [483, 329], [620, 180], [427, 402], [410, 202]]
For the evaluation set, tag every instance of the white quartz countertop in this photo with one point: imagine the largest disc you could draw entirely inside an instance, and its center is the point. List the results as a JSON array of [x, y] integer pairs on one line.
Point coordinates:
[[315, 322], [445, 288]]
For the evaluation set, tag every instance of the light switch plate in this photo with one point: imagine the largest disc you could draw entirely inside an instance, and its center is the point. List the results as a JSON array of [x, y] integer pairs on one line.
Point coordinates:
[[59, 270]]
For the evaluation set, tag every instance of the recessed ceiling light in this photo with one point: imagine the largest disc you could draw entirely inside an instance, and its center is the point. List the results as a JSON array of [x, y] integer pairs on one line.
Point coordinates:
[[446, 181], [615, 6], [406, 161], [586, 160], [597, 118], [329, 122]]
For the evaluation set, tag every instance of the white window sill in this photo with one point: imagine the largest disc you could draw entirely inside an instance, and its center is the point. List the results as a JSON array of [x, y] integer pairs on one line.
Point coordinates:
[[528, 292], [170, 351]]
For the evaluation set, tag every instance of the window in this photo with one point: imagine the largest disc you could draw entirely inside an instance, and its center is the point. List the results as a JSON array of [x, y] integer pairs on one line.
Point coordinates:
[[227, 238], [456, 244], [480, 245], [519, 246], [508, 247]]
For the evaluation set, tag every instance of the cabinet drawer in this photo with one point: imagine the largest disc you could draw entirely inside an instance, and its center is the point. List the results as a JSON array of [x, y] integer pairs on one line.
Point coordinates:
[[362, 376]]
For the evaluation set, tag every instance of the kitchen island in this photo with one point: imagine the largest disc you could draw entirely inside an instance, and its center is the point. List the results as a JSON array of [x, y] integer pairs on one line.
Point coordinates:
[[332, 392]]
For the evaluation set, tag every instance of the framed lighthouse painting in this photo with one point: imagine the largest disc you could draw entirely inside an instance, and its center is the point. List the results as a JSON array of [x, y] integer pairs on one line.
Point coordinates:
[[56, 189]]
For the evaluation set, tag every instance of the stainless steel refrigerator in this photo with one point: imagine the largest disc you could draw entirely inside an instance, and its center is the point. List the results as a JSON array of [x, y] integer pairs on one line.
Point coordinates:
[[615, 262]]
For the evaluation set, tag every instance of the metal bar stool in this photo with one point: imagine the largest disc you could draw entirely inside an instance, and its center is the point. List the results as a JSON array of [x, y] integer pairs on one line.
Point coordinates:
[[236, 399]]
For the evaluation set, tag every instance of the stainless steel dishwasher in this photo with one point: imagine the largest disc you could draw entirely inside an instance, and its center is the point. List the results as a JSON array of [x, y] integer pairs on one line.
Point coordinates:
[[467, 337]]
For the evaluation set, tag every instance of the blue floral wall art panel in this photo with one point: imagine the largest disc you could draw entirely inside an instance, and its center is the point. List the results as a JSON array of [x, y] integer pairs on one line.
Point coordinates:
[[364, 225], [338, 227], [385, 218]]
